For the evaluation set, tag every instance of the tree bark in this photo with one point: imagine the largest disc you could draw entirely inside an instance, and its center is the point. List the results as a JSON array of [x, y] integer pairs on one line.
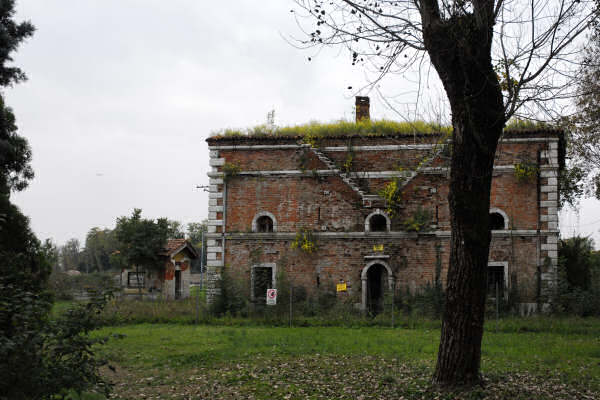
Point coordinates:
[[460, 51]]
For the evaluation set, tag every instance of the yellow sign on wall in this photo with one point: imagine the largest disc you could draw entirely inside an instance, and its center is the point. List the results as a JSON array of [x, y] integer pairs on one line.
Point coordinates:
[[377, 247], [341, 287]]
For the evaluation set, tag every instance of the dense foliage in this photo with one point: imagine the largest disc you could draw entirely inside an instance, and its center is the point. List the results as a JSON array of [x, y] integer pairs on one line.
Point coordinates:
[[101, 250], [584, 144], [142, 240], [39, 358], [578, 289], [42, 358], [15, 154]]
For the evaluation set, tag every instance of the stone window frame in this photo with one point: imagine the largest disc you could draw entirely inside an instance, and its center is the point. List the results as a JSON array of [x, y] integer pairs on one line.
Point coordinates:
[[263, 214], [504, 265], [273, 267], [388, 221], [499, 211]]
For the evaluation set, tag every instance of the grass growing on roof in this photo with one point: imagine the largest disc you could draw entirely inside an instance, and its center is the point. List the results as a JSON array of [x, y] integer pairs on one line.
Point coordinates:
[[515, 124], [315, 129], [369, 128]]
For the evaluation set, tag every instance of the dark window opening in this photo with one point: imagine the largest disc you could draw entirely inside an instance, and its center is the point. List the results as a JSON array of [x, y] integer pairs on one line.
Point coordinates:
[[135, 279], [496, 221], [495, 281], [262, 280], [264, 224], [378, 223]]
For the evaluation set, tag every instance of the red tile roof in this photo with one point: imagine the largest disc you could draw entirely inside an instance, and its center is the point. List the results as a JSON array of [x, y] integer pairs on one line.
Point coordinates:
[[178, 244]]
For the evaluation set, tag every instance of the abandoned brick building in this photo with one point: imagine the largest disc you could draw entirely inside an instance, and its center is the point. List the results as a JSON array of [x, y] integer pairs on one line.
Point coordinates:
[[315, 211]]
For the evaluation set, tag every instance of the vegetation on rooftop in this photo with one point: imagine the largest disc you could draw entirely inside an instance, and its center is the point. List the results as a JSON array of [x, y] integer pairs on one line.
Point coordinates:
[[383, 127], [338, 128]]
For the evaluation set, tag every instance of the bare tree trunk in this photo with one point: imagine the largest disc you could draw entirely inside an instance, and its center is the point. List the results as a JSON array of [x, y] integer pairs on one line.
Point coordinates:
[[460, 53], [462, 328]]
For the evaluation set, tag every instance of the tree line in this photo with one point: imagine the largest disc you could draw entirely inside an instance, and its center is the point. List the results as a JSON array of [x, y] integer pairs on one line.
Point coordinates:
[[102, 250]]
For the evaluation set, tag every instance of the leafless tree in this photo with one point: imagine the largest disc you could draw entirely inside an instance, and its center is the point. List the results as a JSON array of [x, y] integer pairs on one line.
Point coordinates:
[[585, 129], [495, 59]]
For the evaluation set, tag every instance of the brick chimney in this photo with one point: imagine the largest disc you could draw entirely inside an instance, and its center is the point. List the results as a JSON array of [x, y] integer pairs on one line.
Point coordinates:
[[362, 108]]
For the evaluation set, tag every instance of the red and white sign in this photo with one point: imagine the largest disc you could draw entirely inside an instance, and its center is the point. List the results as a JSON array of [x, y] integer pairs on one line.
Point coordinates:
[[271, 297]]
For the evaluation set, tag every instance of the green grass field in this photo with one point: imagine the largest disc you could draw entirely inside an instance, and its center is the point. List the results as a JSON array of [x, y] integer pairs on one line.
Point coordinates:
[[535, 358]]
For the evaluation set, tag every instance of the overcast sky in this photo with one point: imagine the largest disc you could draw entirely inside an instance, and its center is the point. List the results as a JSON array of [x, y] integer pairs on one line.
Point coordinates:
[[122, 95]]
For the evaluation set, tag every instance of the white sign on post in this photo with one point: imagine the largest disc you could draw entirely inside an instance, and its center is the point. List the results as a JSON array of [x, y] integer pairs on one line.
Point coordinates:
[[271, 297]]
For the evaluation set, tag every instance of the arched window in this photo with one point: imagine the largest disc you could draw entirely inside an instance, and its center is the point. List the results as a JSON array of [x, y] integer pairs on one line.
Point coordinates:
[[377, 221], [497, 221], [264, 224]]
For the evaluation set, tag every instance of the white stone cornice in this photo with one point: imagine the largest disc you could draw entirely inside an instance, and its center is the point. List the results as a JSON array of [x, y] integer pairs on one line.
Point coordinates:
[[370, 235]]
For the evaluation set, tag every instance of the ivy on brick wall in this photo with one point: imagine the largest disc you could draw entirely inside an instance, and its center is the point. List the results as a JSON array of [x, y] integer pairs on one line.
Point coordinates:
[[419, 221]]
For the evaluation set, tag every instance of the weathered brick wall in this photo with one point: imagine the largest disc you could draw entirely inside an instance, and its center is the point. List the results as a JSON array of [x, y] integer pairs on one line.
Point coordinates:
[[306, 188]]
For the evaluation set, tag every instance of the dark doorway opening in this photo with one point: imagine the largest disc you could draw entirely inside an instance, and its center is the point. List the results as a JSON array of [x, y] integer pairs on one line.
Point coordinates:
[[376, 277], [262, 279], [495, 281], [177, 284]]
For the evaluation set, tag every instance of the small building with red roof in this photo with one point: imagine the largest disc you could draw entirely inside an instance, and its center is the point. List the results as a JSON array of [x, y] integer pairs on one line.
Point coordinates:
[[172, 281]]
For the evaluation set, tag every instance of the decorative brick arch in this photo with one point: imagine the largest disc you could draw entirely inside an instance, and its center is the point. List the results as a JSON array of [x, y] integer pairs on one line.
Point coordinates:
[[388, 221], [263, 214], [363, 278], [499, 211]]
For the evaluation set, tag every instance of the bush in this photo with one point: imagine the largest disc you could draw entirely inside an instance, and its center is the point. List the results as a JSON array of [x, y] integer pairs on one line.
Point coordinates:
[[427, 301], [67, 287], [576, 292], [42, 358], [231, 299]]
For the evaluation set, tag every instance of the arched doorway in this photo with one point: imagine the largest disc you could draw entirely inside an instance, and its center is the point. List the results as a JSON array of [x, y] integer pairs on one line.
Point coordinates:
[[376, 280]]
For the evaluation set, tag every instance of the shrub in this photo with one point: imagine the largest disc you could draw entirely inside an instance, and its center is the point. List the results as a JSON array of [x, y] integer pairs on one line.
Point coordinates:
[[42, 358], [66, 287], [230, 299], [576, 292], [418, 221], [427, 301]]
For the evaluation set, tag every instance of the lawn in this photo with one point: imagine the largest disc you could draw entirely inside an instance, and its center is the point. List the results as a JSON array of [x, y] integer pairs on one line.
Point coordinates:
[[536, 358]]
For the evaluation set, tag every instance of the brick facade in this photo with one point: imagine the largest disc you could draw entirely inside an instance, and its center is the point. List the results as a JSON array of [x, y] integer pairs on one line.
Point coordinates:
[[301, 187]]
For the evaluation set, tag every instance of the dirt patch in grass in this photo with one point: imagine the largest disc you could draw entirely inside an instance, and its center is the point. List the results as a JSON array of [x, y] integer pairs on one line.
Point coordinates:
[[331, 377]]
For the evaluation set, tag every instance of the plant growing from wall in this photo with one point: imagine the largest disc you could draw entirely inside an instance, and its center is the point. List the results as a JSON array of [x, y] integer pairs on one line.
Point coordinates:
[[392, 194], [255, 255], [419, 221], [304, 241], [230, 170], [303, 160], [525, 171], [311, 138], [349, 160]]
